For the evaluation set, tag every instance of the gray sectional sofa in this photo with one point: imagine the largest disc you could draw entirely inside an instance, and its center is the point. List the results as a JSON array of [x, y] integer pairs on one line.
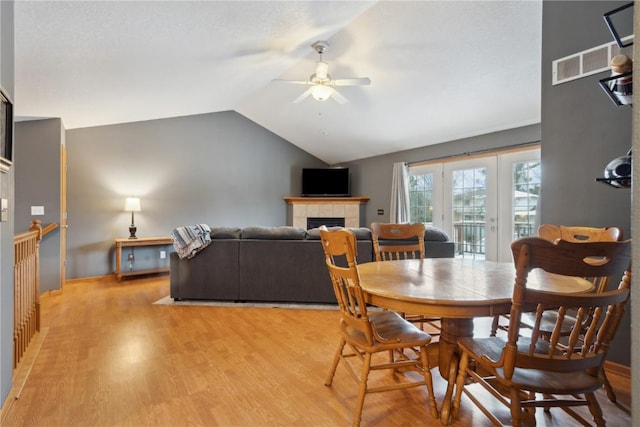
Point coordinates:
[[271, 264]]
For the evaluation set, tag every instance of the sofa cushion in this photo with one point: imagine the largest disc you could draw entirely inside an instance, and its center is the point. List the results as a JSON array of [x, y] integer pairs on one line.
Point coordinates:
[[225, 233], [362, 233], [274, 233], [433, 234]]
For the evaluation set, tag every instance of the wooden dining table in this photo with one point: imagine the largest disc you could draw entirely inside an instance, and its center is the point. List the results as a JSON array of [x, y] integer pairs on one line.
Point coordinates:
[[456, 290]]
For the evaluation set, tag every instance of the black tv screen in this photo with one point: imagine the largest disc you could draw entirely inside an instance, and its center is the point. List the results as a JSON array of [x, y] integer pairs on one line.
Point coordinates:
[[325, 182]]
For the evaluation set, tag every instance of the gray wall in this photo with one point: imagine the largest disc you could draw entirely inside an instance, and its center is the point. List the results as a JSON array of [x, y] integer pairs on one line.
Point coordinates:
[[6, 228], [582, 130], [219, 169], [39, 185]]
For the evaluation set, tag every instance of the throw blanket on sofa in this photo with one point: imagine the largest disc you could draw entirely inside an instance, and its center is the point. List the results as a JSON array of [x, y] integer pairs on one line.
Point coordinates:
[[190, 240]]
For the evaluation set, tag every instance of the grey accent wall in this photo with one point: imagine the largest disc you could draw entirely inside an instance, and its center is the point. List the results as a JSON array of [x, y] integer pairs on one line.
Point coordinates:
[[582, 130], [219, 169], [6, 228], [38, 184]]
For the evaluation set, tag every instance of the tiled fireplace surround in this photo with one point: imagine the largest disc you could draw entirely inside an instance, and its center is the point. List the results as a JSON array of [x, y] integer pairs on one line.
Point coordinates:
[[301, 208]]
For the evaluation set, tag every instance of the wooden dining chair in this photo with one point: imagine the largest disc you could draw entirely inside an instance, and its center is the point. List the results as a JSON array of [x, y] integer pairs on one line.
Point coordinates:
[[525, 371], [579, 234], [366, 335], [397, 241], [403, 241], [575, 234]]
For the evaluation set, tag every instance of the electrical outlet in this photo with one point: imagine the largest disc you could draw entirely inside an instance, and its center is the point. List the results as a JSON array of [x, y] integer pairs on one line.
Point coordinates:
[[163, 254]]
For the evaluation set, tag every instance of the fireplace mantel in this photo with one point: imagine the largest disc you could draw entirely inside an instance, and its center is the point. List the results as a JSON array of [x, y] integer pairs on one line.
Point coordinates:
[[326, 200], [327, 207]]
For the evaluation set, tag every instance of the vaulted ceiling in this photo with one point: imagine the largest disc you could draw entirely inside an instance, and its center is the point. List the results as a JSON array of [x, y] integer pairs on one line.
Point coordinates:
[[439, 70]]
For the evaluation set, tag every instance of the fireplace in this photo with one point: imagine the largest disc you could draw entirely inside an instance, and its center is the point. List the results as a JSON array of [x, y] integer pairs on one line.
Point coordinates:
[[328, 209], [315, 222]]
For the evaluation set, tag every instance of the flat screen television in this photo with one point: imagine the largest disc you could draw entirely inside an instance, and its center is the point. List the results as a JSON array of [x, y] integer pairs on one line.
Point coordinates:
[[325, 182]]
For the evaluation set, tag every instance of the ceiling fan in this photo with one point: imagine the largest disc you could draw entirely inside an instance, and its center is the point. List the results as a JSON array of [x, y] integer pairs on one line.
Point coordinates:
[[321, 84]]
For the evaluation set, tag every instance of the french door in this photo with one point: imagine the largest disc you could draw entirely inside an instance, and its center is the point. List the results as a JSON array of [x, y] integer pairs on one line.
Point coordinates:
[[471, 206], [483, 203]]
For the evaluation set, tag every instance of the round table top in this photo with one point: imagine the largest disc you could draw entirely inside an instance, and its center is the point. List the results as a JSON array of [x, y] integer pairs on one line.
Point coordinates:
[[453, 287]]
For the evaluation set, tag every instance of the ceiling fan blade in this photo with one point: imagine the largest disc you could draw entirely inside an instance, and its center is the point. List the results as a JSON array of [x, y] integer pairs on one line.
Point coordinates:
[[338, 96], [360, 81], [302, 97], [295, 82]]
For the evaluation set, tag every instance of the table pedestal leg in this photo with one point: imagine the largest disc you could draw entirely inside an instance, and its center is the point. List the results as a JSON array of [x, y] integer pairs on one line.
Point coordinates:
[[452, 329]]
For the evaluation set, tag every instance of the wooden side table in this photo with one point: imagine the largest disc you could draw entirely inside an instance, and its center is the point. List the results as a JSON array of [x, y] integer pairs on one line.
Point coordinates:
[[140, 241]]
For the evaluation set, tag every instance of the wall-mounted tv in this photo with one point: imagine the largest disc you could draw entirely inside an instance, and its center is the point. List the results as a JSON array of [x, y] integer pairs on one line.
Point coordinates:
[[325, 182]]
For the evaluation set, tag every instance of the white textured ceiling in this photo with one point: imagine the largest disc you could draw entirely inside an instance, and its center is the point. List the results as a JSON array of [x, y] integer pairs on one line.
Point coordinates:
[[440, 70]]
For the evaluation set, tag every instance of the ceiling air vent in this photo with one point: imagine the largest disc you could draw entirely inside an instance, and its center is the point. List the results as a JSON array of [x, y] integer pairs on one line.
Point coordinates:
[[587, 62]]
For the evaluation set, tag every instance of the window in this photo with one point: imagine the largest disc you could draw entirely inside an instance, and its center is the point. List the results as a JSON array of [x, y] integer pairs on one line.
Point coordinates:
[[421, 198], [468, 202], [526, 189]]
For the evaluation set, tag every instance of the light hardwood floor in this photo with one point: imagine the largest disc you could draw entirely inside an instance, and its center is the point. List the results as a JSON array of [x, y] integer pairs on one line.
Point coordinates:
[[110, 357]]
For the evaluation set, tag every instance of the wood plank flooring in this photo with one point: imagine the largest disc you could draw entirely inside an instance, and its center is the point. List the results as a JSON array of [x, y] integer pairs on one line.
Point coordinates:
[[110, 357]]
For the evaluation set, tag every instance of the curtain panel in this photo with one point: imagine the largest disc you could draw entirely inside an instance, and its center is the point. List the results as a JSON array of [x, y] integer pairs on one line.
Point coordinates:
[[399, 211]]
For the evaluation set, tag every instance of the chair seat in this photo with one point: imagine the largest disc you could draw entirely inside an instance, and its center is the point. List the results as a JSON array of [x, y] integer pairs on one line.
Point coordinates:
[[492, 347], [401, 333], [533, 379], [554, 382]]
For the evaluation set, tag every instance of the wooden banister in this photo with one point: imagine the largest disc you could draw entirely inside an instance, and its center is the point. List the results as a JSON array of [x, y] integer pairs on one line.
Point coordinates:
[[26, 286], [48, 228]]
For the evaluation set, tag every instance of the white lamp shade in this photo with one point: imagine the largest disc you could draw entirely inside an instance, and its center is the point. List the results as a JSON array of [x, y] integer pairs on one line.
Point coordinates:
[[132, 204]]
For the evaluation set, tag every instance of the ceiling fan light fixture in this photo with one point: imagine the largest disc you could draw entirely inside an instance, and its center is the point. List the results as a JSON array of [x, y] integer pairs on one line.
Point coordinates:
[[321, 85], [320, 92]]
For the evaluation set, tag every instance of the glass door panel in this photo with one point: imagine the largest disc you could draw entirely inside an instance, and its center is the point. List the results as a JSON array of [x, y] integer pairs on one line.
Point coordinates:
[[471, 207], [521, 179], [425, 194]]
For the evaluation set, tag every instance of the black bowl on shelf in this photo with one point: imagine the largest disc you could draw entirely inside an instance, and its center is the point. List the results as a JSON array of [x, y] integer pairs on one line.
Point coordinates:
[[618, 172]]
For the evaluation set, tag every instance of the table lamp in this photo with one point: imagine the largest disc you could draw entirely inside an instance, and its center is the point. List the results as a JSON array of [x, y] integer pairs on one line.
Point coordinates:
[[132, 204]]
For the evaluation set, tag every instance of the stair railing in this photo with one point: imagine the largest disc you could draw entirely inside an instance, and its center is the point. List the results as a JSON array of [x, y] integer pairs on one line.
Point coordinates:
[[26, 287]]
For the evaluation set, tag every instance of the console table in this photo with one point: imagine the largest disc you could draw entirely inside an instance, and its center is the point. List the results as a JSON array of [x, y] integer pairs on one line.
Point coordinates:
[[140, 241]]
